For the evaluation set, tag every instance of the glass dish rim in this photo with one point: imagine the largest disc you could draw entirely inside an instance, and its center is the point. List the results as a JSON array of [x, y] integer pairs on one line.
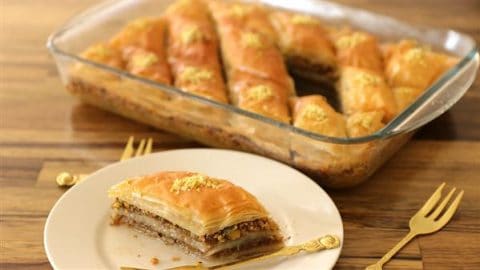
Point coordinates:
[[386, 132]]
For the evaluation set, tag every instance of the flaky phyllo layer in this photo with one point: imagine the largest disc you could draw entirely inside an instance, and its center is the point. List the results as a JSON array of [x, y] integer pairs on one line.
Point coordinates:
[[207, 216]]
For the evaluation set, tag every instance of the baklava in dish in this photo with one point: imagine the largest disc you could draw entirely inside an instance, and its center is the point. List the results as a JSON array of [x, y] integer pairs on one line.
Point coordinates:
[[259, 95], [409, 64], [203, 215], [363, 90], [357, 49], [193, 50], [313, 113], [238, 55], [305, 45], [364, 123]]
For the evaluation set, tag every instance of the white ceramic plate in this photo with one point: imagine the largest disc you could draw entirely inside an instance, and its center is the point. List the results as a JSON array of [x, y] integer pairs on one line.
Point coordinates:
[[78, 234]]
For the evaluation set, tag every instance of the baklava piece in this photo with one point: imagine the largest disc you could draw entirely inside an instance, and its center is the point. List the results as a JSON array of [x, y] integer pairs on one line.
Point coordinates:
[[411, 65], [404, 96], [313, 113], [248, 49], [364, 123], [363, 90], [203, 215], [146, 33], [237, 15], [149, 65], [261, 96], [357, 49], [101, 53], [193, 50], [305, 44], [142, 44]]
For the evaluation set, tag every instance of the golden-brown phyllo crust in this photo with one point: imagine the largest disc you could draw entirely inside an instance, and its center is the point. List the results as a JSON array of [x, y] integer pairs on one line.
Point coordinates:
[[252, 17], [203, 205], [358, 49], [411, 65], [363, 90], [404, 96], [193, 50], [251, 52], [364, 123], [147, 64], [145, 33], [202, 81], [313, 113], [261, 96], [305, 43], [103, 53]]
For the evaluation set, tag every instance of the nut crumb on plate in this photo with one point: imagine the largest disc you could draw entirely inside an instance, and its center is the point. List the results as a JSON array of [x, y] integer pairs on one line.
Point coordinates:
[[154, 261]]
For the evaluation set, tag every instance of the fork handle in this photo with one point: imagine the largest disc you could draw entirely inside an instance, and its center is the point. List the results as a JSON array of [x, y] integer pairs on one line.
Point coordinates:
[[396, 248]]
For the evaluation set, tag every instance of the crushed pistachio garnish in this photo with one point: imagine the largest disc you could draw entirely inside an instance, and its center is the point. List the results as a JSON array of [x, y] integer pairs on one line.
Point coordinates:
[[315, 112], [102, 51], [195, 75], [191, 34], [350, 41], [405, 90], [367, 121], [238, 10], [260, 92], [194, 182], [304, 20], [252, 40], [416, 55], [365, 79], [140, 24], [144, 60]]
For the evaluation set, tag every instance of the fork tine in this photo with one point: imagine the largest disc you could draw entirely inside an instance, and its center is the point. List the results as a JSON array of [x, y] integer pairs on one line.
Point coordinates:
[[128, 151], [139, 151], [451, 210], [148, 148], [432, 201], [442, 205]]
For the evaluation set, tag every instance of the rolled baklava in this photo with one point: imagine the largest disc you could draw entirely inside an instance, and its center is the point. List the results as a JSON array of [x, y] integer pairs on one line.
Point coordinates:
[[363, 90], [305, 44], [313, 113], [203, 215], [358, 49], [193, 50]]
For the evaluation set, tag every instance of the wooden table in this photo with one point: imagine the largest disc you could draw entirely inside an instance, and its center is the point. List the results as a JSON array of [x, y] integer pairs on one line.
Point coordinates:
[[44, 131]]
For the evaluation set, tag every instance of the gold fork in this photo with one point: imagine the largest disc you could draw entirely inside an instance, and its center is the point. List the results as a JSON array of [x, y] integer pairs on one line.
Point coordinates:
[[429, 219], [144, 147], [317, 244]]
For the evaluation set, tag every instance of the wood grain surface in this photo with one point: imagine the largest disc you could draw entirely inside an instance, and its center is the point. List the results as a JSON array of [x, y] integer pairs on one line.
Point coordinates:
[[44, 131]]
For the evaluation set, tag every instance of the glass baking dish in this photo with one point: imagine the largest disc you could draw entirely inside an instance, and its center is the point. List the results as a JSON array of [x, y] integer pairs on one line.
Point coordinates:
[[333, 162]]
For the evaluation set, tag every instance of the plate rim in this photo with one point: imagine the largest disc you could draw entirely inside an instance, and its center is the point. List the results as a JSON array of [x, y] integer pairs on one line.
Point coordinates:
[[50, 258]]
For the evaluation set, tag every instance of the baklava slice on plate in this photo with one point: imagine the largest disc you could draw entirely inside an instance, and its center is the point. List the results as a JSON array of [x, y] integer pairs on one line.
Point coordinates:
[[206, 216]]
